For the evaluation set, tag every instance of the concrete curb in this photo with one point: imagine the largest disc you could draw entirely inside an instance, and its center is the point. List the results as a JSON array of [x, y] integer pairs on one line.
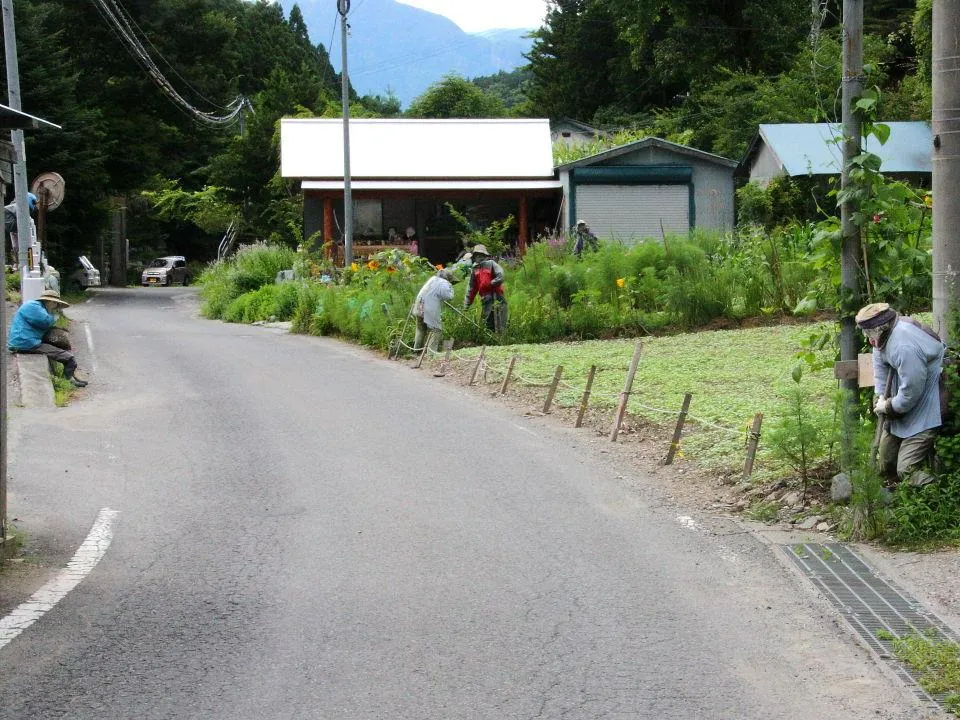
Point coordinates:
[[36, 386]]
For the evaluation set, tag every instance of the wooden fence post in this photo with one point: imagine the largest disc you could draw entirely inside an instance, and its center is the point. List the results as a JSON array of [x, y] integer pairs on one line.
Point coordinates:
[[553, 389], [625, 395], [681, 420], [752, 442], [476, 368], [585, 401], [506, 379], [447, 349]]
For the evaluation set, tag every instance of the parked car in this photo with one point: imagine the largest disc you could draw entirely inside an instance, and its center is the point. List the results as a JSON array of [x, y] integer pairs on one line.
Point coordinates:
[[166, 270], [85, 274]]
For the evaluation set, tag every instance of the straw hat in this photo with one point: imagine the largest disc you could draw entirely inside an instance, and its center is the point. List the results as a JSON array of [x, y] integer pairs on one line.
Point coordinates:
[[52, 296], [480, 250], [874, 315]]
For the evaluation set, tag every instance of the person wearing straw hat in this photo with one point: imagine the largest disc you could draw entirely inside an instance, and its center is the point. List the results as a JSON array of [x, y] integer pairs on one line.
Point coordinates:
[[428, 306], [486, 280], [585, 239], [911, 356], [32, 331]]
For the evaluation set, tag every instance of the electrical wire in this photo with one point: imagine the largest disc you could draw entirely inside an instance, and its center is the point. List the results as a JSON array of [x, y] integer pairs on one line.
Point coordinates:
[[123, 26]]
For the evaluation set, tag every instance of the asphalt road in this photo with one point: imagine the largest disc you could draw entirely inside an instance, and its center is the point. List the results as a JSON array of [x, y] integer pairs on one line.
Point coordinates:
[[306, 530]]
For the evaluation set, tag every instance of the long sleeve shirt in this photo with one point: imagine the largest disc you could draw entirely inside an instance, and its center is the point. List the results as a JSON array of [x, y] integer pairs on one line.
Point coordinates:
[[429, 302], [915, 359], [29, 325]]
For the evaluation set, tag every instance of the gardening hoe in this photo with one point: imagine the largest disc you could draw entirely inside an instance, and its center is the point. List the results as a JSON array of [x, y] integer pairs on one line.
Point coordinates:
[[463, 315], [881, 422]]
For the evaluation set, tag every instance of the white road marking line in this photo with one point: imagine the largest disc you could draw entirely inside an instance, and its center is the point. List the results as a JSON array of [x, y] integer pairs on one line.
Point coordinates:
[[44, 599], [93, 355]]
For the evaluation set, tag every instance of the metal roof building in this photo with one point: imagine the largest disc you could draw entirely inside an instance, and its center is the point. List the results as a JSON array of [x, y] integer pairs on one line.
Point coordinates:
[[797, 149], [402, 172], [647, 189]]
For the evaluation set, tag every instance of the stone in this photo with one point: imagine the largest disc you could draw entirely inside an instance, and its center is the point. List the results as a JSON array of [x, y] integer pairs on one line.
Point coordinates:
[[810, 523], [791, 499], [841, 489], [825, 527]]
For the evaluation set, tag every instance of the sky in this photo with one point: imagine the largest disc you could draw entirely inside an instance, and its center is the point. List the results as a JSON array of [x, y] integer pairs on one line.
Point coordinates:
[[479, 15]]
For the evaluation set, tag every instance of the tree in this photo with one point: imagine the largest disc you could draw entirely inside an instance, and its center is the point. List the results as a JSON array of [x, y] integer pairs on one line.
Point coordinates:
[[454, 97]]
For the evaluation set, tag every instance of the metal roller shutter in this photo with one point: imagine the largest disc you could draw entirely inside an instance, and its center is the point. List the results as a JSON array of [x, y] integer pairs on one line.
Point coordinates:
[[631, 213]]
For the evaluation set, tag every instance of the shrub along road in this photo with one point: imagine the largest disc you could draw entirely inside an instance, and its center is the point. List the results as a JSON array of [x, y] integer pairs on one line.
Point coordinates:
[[305, 530]]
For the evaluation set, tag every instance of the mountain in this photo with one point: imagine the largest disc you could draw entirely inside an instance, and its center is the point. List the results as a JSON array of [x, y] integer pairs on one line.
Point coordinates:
[[403, 49]]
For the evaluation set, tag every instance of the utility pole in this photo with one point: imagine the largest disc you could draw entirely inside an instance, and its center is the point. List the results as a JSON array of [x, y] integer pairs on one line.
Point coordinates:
[[946, 163], [850, 243], [344, 7], [16, 138]]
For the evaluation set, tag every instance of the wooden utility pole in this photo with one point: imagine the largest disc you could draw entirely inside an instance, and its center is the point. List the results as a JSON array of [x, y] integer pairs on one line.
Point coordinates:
[[946, 163], [850, 297]]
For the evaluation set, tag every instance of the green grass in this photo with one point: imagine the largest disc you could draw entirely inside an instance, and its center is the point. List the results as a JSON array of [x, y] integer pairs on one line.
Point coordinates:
[[936, 660], [732, 374]]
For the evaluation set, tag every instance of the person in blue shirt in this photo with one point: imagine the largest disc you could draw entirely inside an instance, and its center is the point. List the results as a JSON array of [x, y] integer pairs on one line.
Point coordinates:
[[911, 356], [32, 331]]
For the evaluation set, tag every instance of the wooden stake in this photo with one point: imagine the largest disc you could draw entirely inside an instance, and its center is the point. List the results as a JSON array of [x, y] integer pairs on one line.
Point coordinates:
[[681, 420], [553, 389], [585, 401], [625, 395], [476, 368], [752, 443], [447, 349], [506, 379]]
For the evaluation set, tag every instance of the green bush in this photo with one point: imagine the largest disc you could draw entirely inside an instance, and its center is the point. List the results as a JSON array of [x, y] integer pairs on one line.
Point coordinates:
[[251, 268]]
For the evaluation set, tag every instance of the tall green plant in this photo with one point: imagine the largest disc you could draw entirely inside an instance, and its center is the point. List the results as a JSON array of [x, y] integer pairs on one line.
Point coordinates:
[[798, 437]]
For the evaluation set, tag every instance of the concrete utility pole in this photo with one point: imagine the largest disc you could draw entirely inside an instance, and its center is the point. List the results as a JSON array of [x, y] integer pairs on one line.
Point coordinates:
[[344, 7], [20, 188], [946, 163], [850, 297]]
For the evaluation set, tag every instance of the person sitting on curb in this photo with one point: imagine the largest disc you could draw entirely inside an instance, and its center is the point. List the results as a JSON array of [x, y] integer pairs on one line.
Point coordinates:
[[32, 331], [912, 356], [428, 307]]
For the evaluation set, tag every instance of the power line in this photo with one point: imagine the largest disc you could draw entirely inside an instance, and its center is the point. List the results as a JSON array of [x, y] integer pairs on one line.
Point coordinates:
[[123, 25]]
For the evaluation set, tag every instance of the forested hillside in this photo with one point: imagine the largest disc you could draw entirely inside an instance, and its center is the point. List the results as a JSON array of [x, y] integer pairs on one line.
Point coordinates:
[[694, 71], [122, 134], [707, 73]]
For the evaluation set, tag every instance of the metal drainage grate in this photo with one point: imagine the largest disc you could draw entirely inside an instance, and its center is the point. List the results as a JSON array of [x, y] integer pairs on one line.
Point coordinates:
[[869, 603]]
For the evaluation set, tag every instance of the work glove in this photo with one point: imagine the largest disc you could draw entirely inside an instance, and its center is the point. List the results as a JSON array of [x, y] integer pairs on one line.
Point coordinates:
[[877, 399], [883, 406]]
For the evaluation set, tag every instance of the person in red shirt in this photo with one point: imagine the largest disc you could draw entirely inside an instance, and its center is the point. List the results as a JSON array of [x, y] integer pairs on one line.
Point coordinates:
[[486, 280]]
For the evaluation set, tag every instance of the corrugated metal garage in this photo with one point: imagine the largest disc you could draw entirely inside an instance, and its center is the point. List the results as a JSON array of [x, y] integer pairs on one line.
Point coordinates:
[[647, 189]]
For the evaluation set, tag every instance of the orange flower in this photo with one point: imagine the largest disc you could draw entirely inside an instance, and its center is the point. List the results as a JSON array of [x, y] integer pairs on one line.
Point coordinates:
[[439, 266], [391, 268], [373, 265]]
